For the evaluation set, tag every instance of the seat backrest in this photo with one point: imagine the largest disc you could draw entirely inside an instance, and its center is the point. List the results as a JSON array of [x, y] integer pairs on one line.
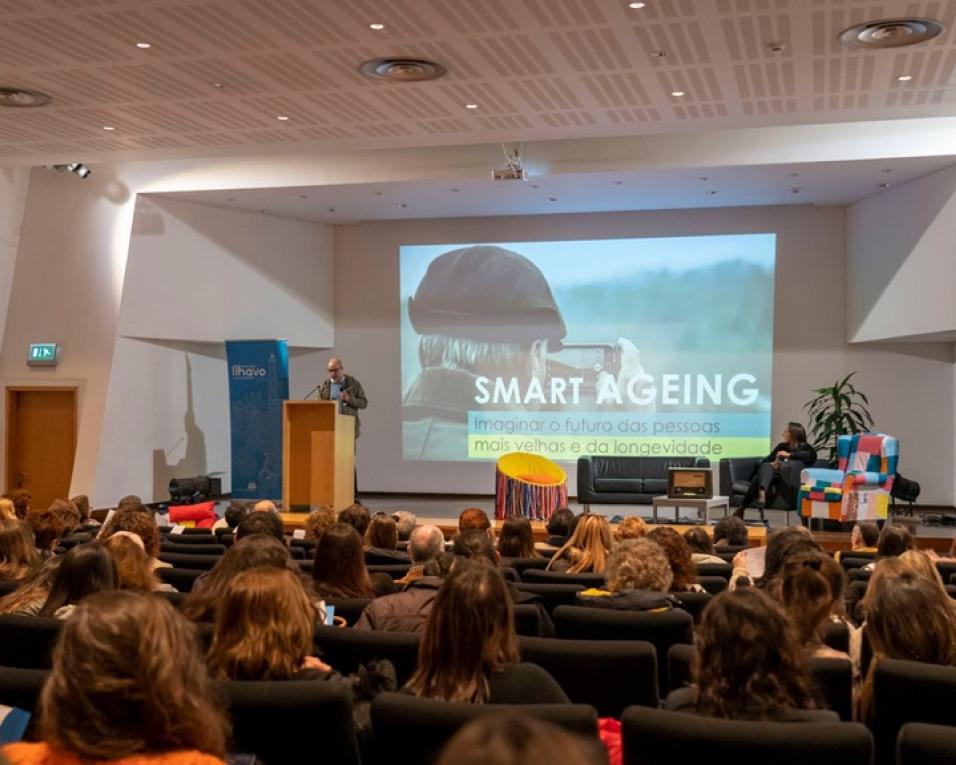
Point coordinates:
[[190, 549], [533, 575], [527, 619], [714, 569], [552, 595], [21, 687], [662, 629], [659, 737], [188, 560], [870, 452], [396, 571], [386, 558], [946, 568], [833, 683], [610, 675], [412, 731], [180, 578], [9, 585], [349, 609], [908, 691], [851, 561], [837, 636], [694, 603], [523, 564], [680, 660], [176, 598], [269, 719], [346, 649], [713, 584], [27, 641], [925, 744], [192, 537]]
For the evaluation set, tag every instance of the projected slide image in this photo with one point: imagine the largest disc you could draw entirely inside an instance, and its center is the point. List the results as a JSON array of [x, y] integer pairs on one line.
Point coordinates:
[[629, 347]]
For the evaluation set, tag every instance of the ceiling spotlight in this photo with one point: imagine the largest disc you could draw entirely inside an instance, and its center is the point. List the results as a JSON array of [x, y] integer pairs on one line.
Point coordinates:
[[677, 93], [711, 192], [20, 97], [776, 47], [905, 77], [636, 5], [143, 45], [376, 27], [109, 128], [330, 209], [402, 205], [282, 118], [76, 168], [658, 53], [882, 185], [471, 106], [793, 175], [552, 199], [219, 85]]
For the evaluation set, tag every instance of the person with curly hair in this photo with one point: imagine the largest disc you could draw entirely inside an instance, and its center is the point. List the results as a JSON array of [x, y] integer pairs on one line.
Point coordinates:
[[678, 555], [138, 520], [47, 528], [133, 569], [127, 688], [68, 513], [638, 578], [21, 499], [748, 663], [318, 521], [632, 527]]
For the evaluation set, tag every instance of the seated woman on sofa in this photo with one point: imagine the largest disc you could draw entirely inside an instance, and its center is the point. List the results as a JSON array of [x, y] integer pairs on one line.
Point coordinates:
[[780, 470]]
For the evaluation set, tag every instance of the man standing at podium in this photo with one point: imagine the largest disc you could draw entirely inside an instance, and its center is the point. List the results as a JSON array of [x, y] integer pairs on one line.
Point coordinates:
[[345, 389]]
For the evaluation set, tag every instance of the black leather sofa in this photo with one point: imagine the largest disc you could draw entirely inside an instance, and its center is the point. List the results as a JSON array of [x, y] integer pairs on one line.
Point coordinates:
[[627, 480]]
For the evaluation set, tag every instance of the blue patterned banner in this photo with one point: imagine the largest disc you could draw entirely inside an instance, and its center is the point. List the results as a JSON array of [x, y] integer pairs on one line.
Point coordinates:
[[258, 384]]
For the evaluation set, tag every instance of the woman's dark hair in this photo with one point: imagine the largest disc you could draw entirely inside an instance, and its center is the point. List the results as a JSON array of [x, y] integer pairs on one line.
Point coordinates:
[[469, 635], [895, 540], [782, 546], [474, 544], [234, 514], [731, 531], [137, 519], [127, 680], [698, 541], [47, 527], [909, 619], [339, 569], [86, 569], [256, 551], [798, 434], [678, 555], [510, 740], [261, 522], [516, 539], [82, 503], [749, 664], [811, 588], [561, 522], [18, 553], [357, 516], [382, 532]]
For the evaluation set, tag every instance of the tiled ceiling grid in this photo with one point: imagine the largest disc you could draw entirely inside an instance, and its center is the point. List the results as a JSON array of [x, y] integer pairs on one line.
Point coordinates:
[[536, 68]]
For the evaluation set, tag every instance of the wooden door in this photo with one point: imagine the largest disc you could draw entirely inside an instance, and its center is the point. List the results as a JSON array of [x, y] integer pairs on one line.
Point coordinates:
[[41, 442]]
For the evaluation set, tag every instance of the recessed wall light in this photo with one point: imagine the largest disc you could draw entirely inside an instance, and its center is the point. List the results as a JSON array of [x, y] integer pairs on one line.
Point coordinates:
[[905, 77], [143, 45], [376, 27], [471, 106], [109, 128], [678, 93], [282, 118], [636, 5]]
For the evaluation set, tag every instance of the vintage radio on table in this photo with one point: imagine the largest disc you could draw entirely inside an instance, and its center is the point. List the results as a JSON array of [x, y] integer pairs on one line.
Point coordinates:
[[690, 483]]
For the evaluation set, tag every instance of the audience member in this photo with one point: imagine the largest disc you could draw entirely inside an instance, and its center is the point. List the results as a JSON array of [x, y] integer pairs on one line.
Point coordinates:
[[730, 532], [338, 570], [47, 529], [264, 630], [318, 521], [474, 518], [254, 551], [357, 516], [7, 511], [406, 611], [632, 527], [494, 740], [516, 539], [425, 545], [748, 664], [130, 500], [701, 547], [678, 555], [587, 549], [21, 499], [406, 524], [559, 527], [133, 569], [265, 506], [638, 578], [85, 570], [82, 503], [863, 538], [919, 562], [259, 522], [126, 683], [812, 594], [68, 513], [469, 652], [381, 539], [18, 552], [895, 539], [232, 516], [782, 545], [34, 589], [138, 520]]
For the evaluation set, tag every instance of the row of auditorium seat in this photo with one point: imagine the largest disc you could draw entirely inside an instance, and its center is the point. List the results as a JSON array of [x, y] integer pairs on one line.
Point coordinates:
[[269, 717]]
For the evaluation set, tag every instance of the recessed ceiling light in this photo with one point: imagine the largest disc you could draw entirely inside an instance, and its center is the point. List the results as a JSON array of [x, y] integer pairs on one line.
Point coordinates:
[[618, 183], [471, 106], [793, 175], [905, 77], [143, 45], [702, 178], [401, 204], [677, 93], [109, 128], [282, 118], [376, 27], [552, 199], [330, 209], [636, 5], [219, 85], [882, 185], [795, 189]]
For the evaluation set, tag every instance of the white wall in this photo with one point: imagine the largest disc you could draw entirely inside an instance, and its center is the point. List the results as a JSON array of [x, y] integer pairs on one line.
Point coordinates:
[[13, 196], [901, 261], [809, 333]]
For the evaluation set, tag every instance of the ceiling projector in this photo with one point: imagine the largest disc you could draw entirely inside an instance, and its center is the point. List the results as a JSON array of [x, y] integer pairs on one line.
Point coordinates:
[[509, 173]]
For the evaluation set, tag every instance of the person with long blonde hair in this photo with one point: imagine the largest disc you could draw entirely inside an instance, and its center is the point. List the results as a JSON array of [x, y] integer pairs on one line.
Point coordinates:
[[587, 549], [18, 553], [133, 568]]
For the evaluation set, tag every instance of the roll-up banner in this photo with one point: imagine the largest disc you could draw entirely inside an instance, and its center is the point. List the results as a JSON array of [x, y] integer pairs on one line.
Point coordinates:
[[258, 384]]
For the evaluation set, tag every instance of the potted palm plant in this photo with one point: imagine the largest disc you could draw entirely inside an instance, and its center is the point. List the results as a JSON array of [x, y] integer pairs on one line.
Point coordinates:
[[837, 410]]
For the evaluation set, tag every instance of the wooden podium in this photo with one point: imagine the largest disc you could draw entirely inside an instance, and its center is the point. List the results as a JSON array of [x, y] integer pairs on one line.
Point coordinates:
[[318, 447]]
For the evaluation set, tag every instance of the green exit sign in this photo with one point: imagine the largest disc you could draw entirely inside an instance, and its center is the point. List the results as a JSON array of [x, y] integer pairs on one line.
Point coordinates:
[[42, 355]]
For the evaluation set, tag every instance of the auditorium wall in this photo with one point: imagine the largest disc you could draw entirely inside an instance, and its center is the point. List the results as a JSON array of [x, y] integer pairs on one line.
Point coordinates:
[[13, 195], [810, 333]]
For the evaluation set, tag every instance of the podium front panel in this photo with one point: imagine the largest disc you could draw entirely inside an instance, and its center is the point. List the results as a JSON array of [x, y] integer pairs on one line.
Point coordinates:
[[319, 458]]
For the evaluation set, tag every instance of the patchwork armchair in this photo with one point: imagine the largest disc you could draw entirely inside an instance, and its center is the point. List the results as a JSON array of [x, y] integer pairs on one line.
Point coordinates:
[[859, 490]]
